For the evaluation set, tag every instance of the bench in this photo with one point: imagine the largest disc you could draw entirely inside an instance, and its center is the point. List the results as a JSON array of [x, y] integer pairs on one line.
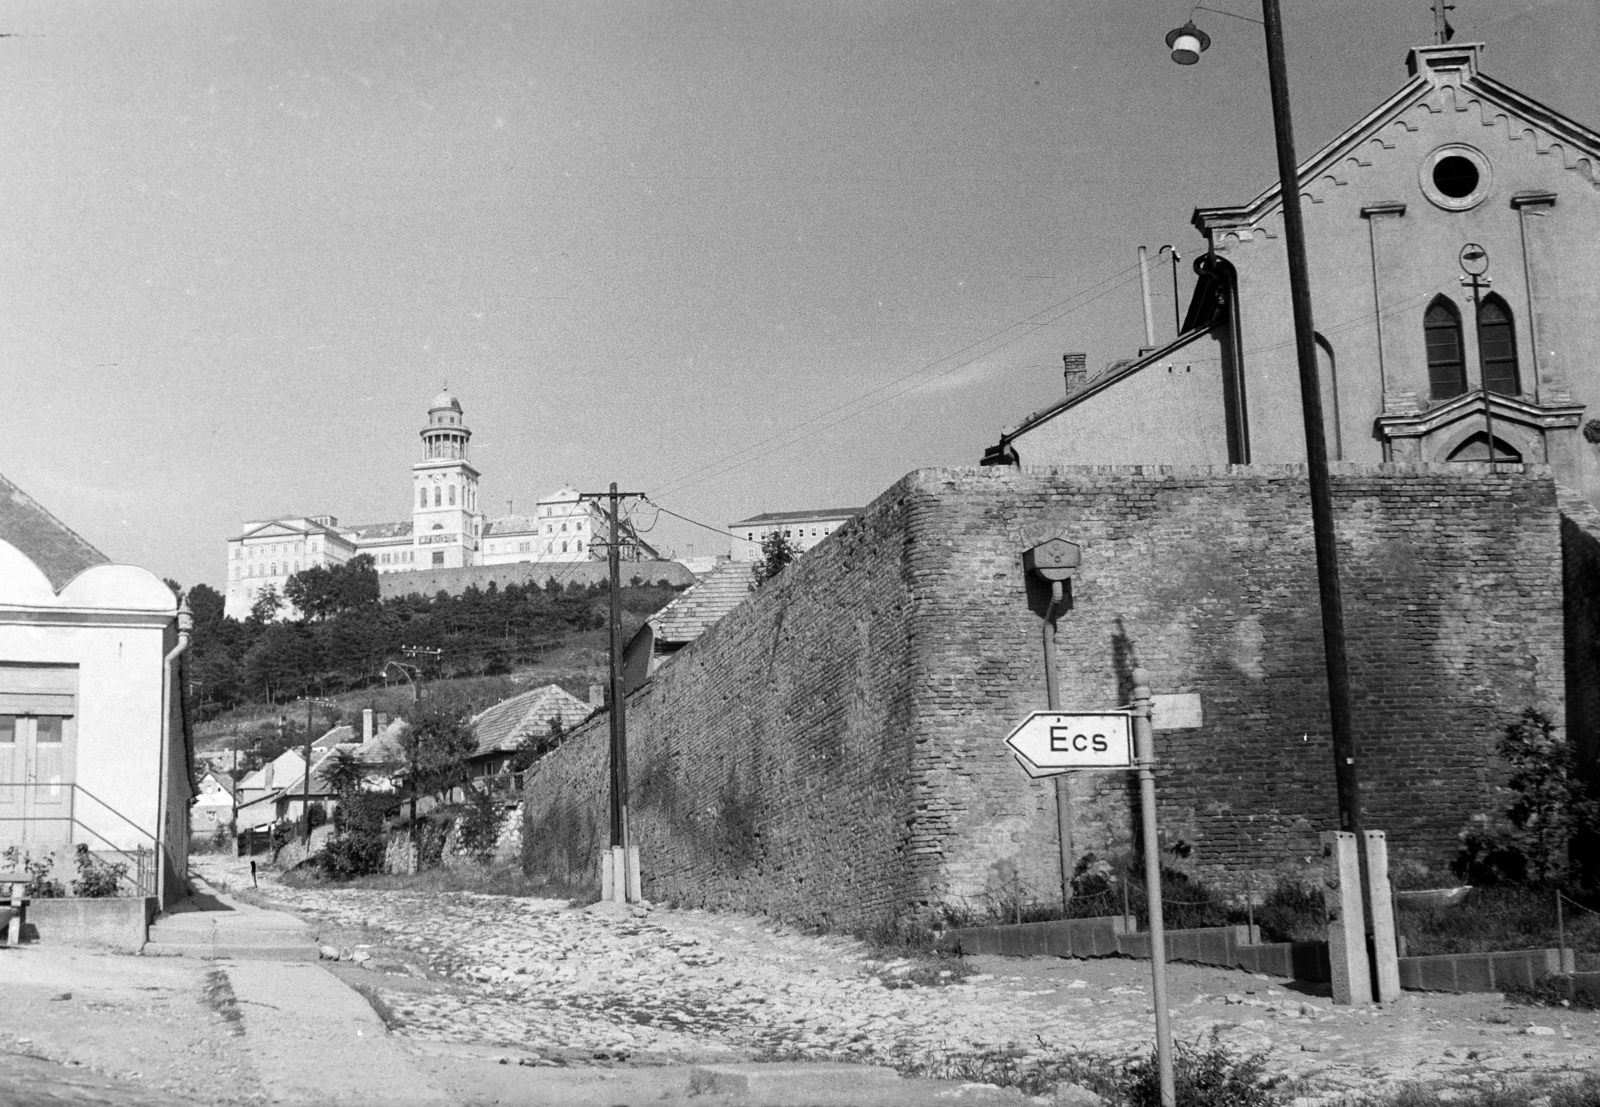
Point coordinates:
[[13, 888]]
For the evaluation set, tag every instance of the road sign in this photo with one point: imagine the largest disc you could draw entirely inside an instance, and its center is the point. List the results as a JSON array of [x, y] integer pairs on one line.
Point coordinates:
[[1078, 740]]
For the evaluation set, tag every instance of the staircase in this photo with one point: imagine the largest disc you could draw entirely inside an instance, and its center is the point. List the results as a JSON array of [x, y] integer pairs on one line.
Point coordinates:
[[212, 926]]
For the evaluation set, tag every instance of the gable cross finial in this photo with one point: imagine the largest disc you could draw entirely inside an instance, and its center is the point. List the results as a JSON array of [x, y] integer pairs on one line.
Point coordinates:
[[1442, 31]]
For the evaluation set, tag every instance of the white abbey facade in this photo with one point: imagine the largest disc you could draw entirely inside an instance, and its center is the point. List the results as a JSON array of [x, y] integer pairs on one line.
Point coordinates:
[[447, 529]]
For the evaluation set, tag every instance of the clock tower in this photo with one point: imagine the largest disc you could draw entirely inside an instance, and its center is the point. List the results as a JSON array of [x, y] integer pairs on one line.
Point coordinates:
[[446, 525]]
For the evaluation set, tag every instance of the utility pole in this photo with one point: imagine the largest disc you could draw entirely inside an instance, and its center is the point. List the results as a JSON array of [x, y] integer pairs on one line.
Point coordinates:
[[415, 652], [621, 865], [305, 789]]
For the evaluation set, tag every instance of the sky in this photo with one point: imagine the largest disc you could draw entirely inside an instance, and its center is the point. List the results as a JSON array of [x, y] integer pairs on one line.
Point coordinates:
[[744, 257]]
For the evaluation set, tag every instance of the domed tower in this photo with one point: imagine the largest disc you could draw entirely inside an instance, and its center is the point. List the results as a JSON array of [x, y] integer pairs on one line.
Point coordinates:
[[446, 525]]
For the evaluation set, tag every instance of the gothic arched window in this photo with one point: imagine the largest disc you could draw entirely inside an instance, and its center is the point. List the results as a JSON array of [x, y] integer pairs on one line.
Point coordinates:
[[1497, 346], [1447, 371], [435, 495]]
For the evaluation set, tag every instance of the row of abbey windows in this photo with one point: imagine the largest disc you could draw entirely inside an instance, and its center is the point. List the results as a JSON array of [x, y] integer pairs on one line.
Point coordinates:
[[1497, 348], [422, 497]]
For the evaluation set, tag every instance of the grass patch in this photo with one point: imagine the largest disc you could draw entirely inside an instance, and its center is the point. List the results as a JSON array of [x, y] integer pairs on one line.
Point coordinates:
[[217, 994], [1500, 917], [1206, 1073], [497, 880], [391, 1021], [1551, 1092]]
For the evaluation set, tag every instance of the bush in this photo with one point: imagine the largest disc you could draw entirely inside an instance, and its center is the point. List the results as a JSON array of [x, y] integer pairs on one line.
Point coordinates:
[[1554, 809], [1292, 912], [97, 879], [1205, 1074], [360, 842], [40, 883], [478, 828]]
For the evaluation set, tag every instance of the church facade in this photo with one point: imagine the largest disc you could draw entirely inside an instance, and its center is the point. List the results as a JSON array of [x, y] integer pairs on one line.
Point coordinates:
[[1455, 292], [447, 529]]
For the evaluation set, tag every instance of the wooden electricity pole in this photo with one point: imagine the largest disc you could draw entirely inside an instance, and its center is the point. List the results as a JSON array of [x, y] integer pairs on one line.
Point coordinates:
[[621, 839]]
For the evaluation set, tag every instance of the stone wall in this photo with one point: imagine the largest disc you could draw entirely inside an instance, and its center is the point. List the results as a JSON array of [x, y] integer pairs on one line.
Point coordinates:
[[430, 582], [833, 751]]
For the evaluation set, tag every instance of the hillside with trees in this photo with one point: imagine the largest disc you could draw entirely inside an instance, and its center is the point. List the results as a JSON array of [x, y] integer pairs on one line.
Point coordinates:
[[343, 633]]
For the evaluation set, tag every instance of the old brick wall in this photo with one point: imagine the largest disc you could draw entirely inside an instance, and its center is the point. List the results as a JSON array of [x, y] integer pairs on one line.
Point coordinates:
[[833, 751], [1580, 557]]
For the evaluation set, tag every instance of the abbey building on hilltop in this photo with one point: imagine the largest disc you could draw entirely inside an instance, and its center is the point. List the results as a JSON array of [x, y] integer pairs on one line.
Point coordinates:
[[1455, 175], [447, 529]]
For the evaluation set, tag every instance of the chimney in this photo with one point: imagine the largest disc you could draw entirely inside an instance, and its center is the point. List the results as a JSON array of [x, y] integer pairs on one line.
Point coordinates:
[[366, 726], [1077, 371], [597, 695]]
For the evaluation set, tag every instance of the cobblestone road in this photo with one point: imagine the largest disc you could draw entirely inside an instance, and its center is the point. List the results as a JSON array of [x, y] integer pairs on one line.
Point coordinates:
[[558, 986]]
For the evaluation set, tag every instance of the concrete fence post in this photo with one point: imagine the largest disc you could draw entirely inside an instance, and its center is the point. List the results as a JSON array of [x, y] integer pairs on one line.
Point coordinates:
[[1347, 938], [1385, 946]]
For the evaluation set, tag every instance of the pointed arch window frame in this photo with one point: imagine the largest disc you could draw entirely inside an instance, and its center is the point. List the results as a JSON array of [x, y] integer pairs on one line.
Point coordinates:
[[1501, 373], [1447, 362]]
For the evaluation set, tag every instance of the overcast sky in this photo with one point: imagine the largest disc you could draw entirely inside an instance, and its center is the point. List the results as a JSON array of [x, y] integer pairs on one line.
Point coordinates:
[[245, 243]]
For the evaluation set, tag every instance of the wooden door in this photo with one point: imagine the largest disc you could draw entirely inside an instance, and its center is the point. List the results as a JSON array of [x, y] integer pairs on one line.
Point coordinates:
[[48, 805]]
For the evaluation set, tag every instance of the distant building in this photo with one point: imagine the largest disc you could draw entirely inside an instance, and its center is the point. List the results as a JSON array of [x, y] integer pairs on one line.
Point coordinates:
[[447, 528], [803, 529], [501, 729], [686, 618]]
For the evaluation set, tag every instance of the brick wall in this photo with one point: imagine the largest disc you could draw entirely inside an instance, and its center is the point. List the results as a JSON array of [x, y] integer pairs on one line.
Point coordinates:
[[1580, 557], [833, 751]]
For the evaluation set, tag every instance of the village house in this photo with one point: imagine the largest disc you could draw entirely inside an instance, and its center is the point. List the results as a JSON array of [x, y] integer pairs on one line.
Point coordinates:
[[94, 745]]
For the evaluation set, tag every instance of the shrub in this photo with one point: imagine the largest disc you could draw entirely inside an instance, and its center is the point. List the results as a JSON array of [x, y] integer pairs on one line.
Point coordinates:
[[1553, 809], [1292, 912], [1205, 1074], [478, 829], [40, 884], [97, 879], [359, 843]]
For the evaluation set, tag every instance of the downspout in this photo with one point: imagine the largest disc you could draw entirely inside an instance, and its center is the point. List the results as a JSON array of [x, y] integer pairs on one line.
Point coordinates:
[[169, 670]]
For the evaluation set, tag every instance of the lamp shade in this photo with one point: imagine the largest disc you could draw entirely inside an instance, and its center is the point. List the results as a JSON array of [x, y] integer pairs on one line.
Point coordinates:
[[1187, 42]]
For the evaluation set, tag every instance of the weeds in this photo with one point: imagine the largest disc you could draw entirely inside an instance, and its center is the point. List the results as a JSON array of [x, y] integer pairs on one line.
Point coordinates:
[[1206, 1073], [1584, 1092], [97, 879], [41, 885], [391, 1021], [1500, 917], [217, 994], [497, 880]]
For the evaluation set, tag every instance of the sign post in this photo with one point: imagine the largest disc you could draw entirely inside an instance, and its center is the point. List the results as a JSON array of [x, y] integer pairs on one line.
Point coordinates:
[[1145, 739], [1052, 743]]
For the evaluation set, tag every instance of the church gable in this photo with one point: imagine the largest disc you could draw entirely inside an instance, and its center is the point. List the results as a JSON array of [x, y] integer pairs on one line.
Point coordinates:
[[1446, 99]]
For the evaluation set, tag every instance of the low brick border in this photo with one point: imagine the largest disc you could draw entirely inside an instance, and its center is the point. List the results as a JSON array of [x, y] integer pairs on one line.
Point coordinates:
[[1230, 947]]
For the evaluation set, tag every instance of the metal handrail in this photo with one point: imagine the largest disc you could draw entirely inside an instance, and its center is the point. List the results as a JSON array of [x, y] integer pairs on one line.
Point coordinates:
[[142, 882]]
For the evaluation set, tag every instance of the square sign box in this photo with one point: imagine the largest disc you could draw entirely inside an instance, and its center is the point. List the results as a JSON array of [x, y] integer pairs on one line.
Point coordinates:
[[1059, 740]]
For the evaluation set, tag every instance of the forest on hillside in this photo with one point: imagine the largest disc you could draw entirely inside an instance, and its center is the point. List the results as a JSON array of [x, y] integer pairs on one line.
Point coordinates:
[[343, 633]]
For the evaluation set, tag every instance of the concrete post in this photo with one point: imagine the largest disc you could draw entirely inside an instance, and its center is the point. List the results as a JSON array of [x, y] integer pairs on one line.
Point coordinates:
[[635, 883], [1385, 949], [1347, 938]]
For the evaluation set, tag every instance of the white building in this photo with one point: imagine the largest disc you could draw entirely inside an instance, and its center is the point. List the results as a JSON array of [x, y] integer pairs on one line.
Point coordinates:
[[447, 528], [94, 750], [803, 529]]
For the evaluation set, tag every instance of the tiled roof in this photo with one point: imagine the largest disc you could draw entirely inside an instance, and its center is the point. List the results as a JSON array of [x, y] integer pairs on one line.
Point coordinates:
[[797, 516], [58, 551], [372, 532], [512, 524], [385, 748], [338, 736], [692, 613], [504, 726]]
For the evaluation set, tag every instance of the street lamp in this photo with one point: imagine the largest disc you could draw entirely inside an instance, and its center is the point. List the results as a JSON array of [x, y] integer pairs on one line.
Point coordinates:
[[1187, 42], [416, 695]]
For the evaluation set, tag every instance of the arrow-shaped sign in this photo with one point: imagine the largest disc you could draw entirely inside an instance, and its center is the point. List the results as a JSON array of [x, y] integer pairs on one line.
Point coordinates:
[[1055, 741]]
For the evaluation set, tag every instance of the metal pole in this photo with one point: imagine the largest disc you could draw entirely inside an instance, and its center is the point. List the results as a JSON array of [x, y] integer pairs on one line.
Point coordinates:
[[1346, 778], [1053, 697], [1144, 739], [1144, 286], [1483, 369], [1177, 317]]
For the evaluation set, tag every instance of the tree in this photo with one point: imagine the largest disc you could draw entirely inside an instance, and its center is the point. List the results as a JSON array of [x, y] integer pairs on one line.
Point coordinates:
[[1554, 810], [439, 743], [266, 607], [344, 772], [777, 553]]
